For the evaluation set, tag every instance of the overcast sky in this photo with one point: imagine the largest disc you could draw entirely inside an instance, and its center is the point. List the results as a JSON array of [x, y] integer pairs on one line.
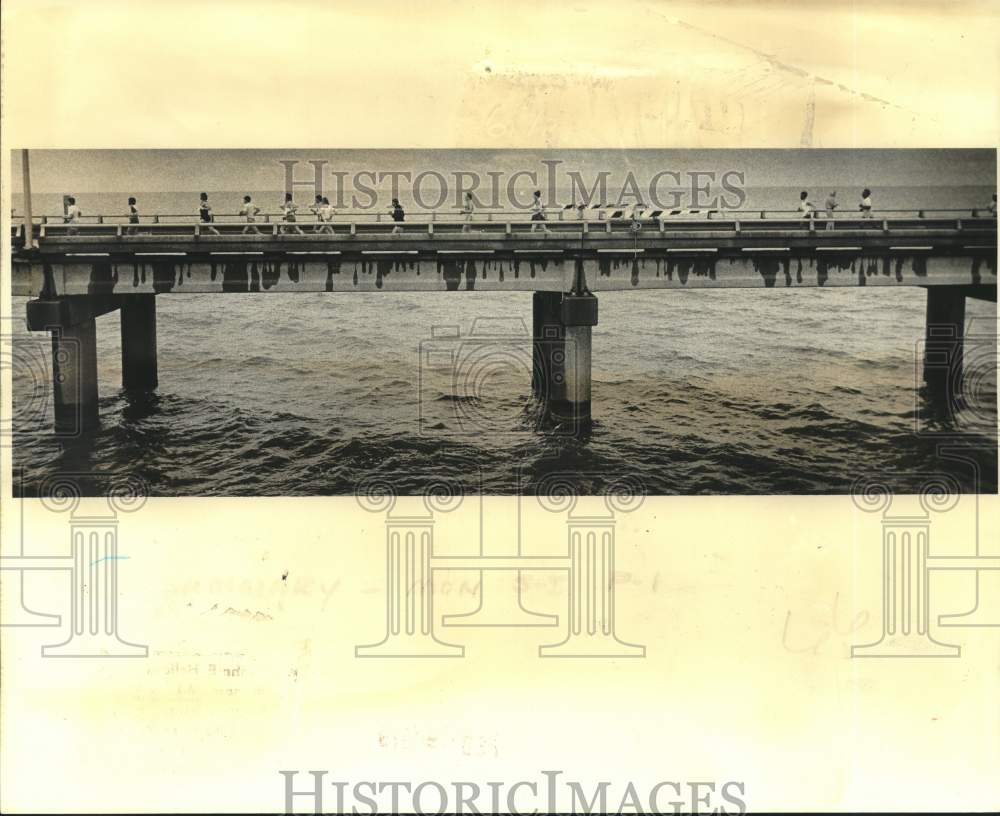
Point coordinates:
[[92, 171]]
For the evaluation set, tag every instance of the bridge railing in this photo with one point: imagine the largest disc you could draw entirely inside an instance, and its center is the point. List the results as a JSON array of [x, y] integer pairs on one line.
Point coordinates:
[[492, 224], [566, 213]]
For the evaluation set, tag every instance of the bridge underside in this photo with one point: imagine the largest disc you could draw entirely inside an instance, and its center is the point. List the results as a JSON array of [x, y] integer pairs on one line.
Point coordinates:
[[615, 270]]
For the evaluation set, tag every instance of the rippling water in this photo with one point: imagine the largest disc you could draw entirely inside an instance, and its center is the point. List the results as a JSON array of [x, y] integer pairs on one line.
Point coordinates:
[[755, 391]]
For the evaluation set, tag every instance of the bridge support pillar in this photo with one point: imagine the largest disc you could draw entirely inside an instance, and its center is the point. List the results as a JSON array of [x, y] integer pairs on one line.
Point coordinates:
[[547, 356], [138, 319], [579, 316], [72, 324], [74, 377], [943, 346]]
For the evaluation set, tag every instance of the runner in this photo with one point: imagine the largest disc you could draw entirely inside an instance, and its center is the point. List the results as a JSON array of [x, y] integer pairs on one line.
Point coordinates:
[[467, 209], [538, 212], [866, 203], [326, 214], [72, 216], [205, 213], [249, 210], [831, 205], [133, 217], [288, 210], [316, 209], [805, 207], [398, 216]]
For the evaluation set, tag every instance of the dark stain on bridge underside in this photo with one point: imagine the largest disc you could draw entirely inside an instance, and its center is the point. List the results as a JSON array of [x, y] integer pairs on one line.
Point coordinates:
[[237, 277], [770, 268], [989, 261], [381, 268], [684, 268], [253, 276], [105, 276], [453, 271], [332, 268], [256, 276], [863, 267]]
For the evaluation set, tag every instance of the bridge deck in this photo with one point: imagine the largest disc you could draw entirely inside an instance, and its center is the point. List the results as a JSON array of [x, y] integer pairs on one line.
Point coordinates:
[[178, 257]]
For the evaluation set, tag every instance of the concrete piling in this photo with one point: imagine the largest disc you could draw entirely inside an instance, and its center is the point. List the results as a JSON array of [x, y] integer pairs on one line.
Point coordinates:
[[547, 374], [578, 317], [138, 328], [943, 346], [74, 377]]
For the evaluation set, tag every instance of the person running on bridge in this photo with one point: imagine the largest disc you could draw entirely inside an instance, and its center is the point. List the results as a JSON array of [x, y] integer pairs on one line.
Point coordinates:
[[249, 211], [467, 209], [315, 209], [805, 207], [992, 208], [831, 205], [133, 217], [326, 214], [866, 203], [538, 212], [72, 216], [288, 210], [205, 214], [398, 216]]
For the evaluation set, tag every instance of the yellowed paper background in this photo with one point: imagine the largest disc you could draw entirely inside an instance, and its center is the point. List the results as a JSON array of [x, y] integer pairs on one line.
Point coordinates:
[[748, 607]]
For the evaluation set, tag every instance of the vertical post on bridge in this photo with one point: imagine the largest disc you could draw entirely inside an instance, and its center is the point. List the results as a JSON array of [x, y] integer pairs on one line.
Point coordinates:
[[943, 346], [29, 223], [138, 327], [74, 377]]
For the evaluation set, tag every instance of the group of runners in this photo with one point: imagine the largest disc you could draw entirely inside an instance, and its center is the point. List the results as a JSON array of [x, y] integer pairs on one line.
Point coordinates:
[[325, 213]]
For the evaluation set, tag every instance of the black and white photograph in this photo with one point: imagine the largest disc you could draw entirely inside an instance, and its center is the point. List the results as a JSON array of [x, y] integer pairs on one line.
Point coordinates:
[[298, 322]]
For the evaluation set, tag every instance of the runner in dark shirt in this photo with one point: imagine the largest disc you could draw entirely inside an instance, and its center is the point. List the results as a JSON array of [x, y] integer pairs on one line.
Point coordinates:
[[398, 216], [205, 213], [133, 217]]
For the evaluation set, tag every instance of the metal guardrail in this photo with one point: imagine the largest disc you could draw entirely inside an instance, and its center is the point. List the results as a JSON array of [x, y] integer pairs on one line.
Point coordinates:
[[305, 216], [497, 229]]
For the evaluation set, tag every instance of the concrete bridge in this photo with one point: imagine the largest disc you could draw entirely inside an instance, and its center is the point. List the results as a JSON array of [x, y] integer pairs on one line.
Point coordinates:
[[74, 273]]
